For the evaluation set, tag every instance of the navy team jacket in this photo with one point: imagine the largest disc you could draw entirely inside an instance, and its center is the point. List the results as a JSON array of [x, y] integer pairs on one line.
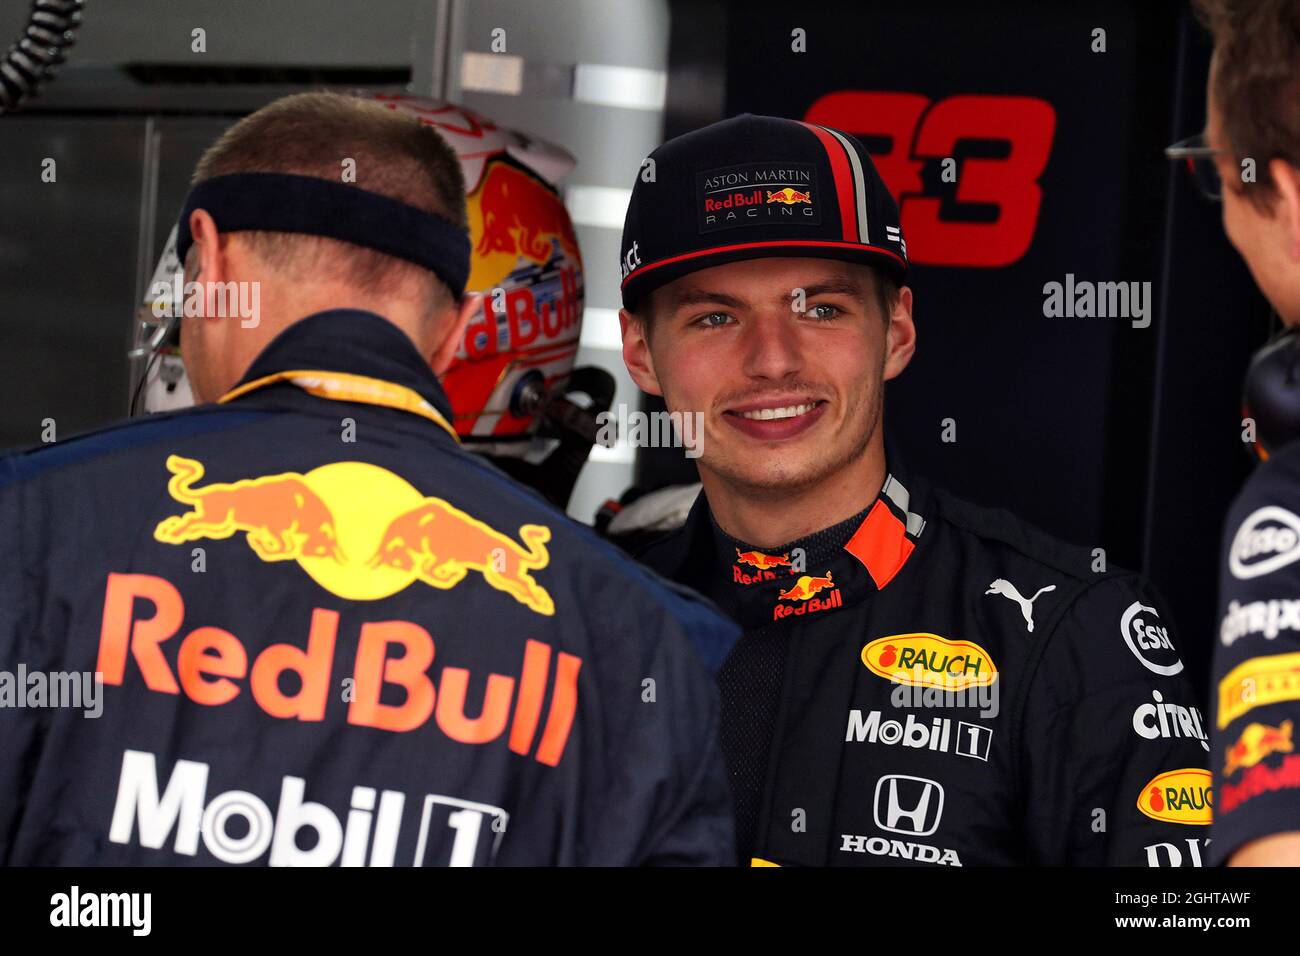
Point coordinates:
[[327, 634]]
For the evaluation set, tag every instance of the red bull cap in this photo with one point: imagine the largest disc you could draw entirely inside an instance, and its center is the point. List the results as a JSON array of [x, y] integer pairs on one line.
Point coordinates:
[[754, 186]]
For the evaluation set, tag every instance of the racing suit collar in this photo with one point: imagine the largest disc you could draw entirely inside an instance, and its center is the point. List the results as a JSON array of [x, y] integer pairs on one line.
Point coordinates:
[[832, 568], [859, 556], [354, 342]]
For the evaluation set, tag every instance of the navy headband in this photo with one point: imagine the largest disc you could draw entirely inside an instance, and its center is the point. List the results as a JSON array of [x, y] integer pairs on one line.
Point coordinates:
[[284, 202]]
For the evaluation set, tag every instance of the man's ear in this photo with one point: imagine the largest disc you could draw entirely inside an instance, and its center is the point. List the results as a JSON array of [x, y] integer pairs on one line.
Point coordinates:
[[208, 254], [900, 337], [451, 337], [1287, 180], [636, 353]]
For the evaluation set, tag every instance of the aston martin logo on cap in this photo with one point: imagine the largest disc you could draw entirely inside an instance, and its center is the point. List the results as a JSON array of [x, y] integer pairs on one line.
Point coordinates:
[[758, 194]]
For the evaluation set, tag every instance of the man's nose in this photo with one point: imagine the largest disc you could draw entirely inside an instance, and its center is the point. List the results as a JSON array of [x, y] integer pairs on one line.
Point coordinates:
[[774, 347]]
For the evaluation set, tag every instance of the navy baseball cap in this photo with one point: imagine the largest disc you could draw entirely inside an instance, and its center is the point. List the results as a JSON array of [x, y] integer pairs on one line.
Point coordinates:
[[754, 186]]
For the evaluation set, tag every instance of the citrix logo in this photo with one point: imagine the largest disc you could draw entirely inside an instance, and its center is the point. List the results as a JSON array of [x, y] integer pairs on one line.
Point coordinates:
[[184, 809], [1161, 719]]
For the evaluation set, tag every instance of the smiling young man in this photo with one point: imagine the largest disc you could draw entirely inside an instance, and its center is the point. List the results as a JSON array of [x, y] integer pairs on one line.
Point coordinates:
[[920, 680]]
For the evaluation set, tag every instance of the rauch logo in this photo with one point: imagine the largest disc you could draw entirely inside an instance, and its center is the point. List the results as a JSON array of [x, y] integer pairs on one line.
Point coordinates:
[[928, 660]]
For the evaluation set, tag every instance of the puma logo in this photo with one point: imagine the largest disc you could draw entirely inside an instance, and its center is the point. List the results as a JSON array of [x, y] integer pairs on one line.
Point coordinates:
[[1008, 590]]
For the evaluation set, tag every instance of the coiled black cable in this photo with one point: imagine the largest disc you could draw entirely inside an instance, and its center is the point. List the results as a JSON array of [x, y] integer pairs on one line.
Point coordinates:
[[40, 50]]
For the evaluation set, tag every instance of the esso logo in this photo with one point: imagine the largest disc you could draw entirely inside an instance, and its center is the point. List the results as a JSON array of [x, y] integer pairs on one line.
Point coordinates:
[[1268, 539], [1149, 640]]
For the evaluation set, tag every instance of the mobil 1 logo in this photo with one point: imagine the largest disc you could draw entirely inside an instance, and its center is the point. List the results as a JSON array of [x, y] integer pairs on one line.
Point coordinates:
[[940, 734]]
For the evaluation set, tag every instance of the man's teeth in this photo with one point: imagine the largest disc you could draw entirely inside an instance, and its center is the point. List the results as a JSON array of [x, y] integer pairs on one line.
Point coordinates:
[[790, 411]]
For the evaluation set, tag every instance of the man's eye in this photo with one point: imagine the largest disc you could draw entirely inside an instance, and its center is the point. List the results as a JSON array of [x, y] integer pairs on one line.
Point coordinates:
[[713, 320], [824, 311]]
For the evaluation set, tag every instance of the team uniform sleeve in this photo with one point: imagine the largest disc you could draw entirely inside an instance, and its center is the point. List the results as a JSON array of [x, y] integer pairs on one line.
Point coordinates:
[[663, 799], [1114, 753], [700, 829], [1255, 682], [694, 821]]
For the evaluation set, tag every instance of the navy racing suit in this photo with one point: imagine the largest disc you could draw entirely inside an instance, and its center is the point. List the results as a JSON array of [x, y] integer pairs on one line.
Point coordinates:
[[934, 683]]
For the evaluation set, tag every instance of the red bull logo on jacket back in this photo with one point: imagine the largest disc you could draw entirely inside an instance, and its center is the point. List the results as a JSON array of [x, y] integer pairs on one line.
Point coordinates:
[[360, 531]]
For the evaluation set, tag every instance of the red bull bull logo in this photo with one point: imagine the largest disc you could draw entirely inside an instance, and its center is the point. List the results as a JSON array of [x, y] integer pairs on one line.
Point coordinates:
[[360, 531], [806, 587], [514, 215], [762, 565], [805, 591], [764, 562], [1256, 742], [789, 196]]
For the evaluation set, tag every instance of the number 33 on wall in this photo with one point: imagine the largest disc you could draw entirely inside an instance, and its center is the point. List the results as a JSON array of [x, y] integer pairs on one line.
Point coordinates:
[[920, 130]]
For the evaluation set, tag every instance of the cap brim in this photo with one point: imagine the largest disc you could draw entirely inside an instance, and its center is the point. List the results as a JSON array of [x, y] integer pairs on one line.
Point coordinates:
[[645, 280]]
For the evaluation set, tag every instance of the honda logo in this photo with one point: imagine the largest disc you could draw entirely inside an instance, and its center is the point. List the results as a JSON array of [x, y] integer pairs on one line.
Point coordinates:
[[910, 805]]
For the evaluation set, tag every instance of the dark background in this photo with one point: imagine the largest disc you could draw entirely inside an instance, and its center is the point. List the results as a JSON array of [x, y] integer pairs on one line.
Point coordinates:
[[1109, 436]]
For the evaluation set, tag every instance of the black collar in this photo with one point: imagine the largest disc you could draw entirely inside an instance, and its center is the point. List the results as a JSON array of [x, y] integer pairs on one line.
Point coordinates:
[[352, 341], [751, 584]]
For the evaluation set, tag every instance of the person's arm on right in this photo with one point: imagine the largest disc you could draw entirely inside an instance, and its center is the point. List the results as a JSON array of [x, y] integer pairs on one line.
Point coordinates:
[[1255, 683]]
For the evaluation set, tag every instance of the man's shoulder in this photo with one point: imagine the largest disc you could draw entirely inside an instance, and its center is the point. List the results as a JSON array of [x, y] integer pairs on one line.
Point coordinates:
[[1096, 629], [1085, 595], [1002, 536], [1261, 536], [1274, 482], [86, 449], [617, 587], [1284, 461]]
